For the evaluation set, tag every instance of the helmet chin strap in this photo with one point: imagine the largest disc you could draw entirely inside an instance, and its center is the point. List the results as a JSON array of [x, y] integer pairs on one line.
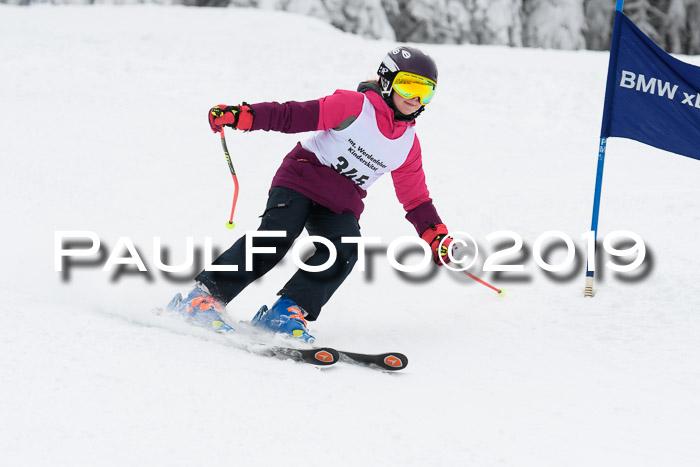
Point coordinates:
[[398, 115], [411, 117]]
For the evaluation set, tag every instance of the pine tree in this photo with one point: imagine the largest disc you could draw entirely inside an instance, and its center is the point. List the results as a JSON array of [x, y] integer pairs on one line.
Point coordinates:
[[557, 24], [648, 17], [675, 26], [496, 22], [364, 17], [434, 21], [599, 21], [692, 45]]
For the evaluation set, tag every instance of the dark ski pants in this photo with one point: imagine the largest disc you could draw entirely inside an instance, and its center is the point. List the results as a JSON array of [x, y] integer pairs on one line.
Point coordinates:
[[290, 211]]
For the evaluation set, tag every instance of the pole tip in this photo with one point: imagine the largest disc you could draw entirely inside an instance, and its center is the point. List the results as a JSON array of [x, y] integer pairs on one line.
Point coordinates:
[[502, 293], [230, 225]]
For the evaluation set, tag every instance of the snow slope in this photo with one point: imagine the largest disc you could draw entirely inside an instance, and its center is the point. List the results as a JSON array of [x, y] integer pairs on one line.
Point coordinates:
[[103, 128]]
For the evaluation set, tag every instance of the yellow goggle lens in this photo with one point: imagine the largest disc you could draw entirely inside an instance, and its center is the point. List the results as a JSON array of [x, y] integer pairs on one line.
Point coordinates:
[[409, 86]]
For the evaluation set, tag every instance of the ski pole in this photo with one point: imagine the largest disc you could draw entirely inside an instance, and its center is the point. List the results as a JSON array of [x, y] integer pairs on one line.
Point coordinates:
[[501, 292], [230, 224], [455, 246]]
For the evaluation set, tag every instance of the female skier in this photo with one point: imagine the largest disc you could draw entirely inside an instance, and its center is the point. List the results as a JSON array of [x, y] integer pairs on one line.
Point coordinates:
[[358, 136]]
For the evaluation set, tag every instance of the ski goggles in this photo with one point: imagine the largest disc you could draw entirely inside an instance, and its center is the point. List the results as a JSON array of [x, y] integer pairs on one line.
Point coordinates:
[[409, 85]]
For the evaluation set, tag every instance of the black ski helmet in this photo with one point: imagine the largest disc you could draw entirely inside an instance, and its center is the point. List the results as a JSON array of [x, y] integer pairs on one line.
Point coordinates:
[[404, 58]]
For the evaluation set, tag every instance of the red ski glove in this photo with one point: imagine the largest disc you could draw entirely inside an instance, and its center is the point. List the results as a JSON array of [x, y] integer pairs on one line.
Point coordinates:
[[239, 117], [433, 236]]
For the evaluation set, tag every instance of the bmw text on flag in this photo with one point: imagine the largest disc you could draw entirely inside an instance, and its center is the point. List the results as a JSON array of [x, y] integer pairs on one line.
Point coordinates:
[[657, 87]]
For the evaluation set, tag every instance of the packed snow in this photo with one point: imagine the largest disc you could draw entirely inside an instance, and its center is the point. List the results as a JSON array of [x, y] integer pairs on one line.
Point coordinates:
[[104, 130]]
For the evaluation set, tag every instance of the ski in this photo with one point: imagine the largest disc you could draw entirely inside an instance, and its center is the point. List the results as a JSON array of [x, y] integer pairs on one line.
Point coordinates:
[[325, 356], [319, 356], [392, 361]]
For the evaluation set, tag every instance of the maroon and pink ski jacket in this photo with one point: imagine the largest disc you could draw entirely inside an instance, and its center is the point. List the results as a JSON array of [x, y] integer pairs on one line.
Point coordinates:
[[302, 171]]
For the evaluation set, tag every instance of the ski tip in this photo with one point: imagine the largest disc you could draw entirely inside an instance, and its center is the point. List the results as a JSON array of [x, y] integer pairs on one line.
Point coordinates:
[[391, 361], [324, 356], [394, 361]]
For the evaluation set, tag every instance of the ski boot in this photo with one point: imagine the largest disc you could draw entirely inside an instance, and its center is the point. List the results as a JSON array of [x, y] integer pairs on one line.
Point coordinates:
[[285, 317], [200, 309]]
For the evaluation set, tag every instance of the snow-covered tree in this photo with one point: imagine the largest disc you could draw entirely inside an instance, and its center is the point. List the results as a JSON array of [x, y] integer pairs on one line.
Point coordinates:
[[495, 22], [693, 38], [675, 25], [599, 22], [435, 21], [364, 17], [456, 21], [557, 24], [648, 16]]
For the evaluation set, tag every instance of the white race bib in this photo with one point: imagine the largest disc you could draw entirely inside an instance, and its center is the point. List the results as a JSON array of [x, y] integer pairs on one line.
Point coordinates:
[[360, 151]]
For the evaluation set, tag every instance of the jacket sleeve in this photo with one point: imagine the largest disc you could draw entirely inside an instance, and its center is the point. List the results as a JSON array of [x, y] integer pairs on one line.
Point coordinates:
[[412, 191], [288, 117], [297, 117]]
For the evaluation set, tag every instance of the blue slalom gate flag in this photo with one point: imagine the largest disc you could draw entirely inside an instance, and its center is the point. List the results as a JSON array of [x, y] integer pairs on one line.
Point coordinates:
[[650, 96]]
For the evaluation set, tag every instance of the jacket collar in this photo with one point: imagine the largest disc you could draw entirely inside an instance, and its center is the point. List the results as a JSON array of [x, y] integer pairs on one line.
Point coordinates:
[[386, 118]]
